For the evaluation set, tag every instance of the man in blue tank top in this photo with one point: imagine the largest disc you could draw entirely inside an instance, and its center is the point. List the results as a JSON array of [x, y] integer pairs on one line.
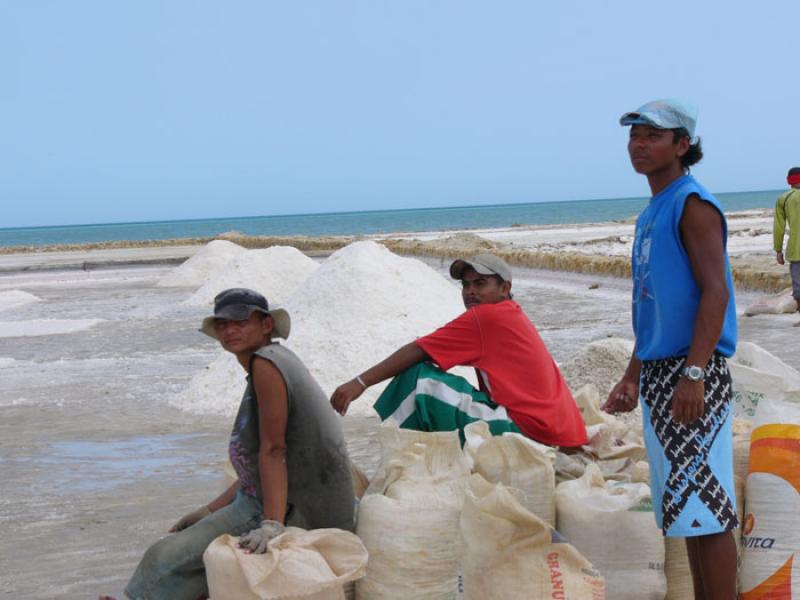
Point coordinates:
[[684, 320]]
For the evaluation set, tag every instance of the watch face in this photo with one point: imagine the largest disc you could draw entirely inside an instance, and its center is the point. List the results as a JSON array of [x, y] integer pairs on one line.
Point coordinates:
[[694, 372]]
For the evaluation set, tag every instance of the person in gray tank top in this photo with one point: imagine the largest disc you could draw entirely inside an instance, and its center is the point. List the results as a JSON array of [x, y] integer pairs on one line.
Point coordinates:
[[287, 448]]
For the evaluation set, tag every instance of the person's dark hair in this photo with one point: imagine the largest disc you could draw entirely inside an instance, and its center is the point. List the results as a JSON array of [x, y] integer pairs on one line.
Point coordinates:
[[793, 171], [499, 281], [695, 153]]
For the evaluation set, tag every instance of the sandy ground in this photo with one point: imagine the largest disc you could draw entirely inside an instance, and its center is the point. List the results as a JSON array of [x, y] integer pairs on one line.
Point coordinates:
[[96, 465]]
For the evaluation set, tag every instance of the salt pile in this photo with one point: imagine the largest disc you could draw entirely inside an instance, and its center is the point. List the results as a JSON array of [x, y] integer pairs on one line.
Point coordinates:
[[196, 271], [15, 299], [275, 272], [360, 305], [601, 363]]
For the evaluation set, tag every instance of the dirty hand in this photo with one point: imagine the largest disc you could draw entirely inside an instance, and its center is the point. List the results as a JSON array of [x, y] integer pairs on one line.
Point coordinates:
[[345, 394], [623, 397], [190, 519], [779, 258], [256, 541], [687, 401]]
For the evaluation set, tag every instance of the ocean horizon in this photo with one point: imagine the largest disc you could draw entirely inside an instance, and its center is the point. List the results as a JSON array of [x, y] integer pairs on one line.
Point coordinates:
[[365, 222]]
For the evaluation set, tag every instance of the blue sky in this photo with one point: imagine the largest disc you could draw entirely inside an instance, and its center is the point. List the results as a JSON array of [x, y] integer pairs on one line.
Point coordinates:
[[130, 111]]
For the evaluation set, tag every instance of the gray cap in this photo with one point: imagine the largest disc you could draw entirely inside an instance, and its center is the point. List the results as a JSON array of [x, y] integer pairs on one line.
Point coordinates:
[[663, 114], [485, 264], [237, 304]]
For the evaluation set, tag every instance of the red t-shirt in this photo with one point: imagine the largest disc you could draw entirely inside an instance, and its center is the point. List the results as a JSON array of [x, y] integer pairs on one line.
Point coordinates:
[[514, 368]]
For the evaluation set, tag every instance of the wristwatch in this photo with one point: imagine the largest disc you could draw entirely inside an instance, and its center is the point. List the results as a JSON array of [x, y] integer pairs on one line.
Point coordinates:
[[693, 373]]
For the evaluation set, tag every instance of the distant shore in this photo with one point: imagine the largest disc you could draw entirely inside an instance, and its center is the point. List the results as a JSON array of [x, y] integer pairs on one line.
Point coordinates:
[[599, 248]]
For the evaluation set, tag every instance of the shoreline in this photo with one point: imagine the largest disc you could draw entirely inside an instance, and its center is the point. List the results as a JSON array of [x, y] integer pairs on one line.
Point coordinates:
[[587, 248]]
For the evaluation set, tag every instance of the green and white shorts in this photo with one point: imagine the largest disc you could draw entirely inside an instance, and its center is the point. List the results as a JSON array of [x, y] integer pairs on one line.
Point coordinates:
[[425, 398]]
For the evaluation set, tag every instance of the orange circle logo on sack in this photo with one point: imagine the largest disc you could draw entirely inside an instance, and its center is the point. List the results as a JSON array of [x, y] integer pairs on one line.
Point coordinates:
[[749, 523]]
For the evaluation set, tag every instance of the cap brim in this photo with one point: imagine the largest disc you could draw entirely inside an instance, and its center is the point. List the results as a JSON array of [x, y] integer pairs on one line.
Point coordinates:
[[633, 118], [459, 266], [281, 322]]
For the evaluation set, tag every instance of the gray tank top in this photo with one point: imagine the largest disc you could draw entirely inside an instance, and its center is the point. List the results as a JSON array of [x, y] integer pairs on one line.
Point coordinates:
[[320, 485]]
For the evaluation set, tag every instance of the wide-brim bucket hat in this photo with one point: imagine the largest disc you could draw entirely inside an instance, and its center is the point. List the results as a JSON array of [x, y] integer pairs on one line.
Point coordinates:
[[237, 304]]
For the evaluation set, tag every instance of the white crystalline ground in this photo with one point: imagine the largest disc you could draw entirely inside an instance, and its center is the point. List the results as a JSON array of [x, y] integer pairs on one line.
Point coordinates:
[[275, 272], [749, 232], [6, 362], [207, 261], [362, 304], [40, 327], [16, 298]]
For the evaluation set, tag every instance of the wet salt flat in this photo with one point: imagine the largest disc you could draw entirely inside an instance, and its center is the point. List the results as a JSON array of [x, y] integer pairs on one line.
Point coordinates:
[[96, 463]]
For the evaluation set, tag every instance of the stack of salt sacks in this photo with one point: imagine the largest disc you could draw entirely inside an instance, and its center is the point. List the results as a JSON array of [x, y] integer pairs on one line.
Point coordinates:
[[771, 529], [510, 548], [603, 499], [408, 518]]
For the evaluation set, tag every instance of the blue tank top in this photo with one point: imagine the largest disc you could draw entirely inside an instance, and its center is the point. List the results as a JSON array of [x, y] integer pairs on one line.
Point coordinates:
[[665, 294]]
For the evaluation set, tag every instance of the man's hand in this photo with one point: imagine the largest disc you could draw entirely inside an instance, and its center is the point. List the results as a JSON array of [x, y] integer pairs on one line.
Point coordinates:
[[345, 394], [688, 403], [257, 540], [190, 519], [779, 258], [623, 397]]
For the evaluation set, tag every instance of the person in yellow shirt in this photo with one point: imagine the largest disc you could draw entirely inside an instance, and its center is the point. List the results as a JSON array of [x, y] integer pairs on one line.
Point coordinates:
[[787, 212]]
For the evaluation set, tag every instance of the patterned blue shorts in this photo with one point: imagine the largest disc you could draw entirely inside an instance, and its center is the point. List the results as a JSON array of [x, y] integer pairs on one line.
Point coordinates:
[[691, 466]]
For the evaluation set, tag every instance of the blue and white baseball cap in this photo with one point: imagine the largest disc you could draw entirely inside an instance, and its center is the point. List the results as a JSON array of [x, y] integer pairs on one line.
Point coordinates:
[[669, 113]]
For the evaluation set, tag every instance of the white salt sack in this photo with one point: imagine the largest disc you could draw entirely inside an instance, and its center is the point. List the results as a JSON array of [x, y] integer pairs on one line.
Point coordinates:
[[774, 304], [517, 462], [612, 525], [408, 518], [510, 553], [275, 272], [197, 269], [771, 530], [359, 306], [759, 375]]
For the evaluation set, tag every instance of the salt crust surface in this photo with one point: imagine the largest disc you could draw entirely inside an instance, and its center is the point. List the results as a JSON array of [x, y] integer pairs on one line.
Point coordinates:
[[16, 298], [275, 272], [36, 327], [362, 304], [207, 261]]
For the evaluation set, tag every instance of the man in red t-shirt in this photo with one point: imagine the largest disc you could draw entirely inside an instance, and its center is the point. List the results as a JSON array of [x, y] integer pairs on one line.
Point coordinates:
[[521, 388]]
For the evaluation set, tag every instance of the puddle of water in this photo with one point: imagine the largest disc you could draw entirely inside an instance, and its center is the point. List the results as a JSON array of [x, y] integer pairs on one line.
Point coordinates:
[[90, 466]]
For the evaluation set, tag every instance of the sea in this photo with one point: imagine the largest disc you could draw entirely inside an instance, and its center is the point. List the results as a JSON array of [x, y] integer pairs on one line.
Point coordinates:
[[365, 222]]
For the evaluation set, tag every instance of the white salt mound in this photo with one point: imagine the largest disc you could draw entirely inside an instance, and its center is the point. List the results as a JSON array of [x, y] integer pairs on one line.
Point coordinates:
[[361, 305], [16, 298], [197, 269], [37, 327], [275, 272], [601, 363], [217, 389]]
